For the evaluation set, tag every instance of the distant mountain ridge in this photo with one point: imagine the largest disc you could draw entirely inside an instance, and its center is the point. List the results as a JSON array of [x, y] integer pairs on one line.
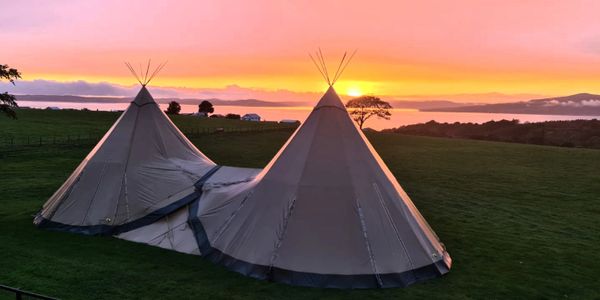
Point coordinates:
[[190, 101], [407, 104], [426, 104], [583, 104]]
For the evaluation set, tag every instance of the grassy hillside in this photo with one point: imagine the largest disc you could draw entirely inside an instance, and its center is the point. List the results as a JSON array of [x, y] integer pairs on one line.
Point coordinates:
[[519, 221], [36, 123]]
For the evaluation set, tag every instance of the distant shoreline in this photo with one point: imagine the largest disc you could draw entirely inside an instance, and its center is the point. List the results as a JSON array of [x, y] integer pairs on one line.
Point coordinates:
[[554, 113], [582, 104]]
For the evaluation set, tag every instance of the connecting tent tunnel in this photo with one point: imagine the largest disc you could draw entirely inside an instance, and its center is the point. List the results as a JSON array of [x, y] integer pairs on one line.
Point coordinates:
[[325, 212]]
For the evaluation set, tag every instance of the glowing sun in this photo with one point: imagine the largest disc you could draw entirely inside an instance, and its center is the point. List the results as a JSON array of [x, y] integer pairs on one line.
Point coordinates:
[[354, 92]]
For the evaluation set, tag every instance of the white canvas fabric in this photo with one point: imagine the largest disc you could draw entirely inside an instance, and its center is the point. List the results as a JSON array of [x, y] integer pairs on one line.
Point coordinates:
[[142, 164], [170, 232], [173, 231]]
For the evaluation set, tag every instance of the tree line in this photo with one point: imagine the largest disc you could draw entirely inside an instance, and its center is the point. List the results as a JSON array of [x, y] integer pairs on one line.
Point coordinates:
[[204, 108], [576, 133]]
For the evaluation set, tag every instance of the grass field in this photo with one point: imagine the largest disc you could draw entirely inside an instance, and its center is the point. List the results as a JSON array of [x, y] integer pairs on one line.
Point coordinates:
[[45, 126], [519, 221]]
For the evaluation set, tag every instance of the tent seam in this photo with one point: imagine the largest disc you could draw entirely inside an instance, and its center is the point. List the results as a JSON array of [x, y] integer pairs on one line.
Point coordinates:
[[274, 255], [367, 242], [95, 192], [389, 217], [124, 178], [227, 222]]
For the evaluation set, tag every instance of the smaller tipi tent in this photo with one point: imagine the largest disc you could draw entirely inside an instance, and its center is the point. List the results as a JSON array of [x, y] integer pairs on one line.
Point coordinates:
[[142, 169]]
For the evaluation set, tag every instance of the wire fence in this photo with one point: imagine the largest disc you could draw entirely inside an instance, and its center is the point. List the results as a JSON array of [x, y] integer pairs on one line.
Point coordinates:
[[7, 292], [12, 142]]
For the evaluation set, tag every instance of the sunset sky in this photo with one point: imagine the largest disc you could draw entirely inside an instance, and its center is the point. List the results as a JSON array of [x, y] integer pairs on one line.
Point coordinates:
[[480, 51]]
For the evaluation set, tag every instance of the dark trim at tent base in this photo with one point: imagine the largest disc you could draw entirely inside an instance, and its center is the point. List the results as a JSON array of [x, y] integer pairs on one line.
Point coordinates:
[[103, 229], [358, 281], [152, 217]]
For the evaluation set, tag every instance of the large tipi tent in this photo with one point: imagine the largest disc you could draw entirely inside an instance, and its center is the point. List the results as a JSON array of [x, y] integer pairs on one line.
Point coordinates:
[[325, 212], [142, 169]]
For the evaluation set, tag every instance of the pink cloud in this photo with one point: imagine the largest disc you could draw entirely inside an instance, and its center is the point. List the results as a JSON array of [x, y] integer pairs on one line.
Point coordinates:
[[83, 88], [441, 41], [231, 92]]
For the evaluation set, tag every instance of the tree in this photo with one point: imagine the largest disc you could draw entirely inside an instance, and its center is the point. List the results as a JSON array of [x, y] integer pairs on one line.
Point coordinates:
[[7, 101], [206, 108], [362, 108], [233, 116], [173, 109]]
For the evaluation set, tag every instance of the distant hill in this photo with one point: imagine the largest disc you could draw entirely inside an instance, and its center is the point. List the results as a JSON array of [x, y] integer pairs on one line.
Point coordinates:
[[192, 101], [409, 104], [426, 104], [577, 105], [242, 102], [69, 98]]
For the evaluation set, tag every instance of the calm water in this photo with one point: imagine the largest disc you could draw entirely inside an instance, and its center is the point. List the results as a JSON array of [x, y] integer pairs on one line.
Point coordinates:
[[399, 116]]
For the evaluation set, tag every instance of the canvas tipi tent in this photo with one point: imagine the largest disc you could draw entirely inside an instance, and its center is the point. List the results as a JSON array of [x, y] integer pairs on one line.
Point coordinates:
[[325, 212], [142, 169]]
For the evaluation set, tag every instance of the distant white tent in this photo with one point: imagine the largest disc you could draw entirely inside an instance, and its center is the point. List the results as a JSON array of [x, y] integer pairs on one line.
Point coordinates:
[[325, 212], [142, 169]]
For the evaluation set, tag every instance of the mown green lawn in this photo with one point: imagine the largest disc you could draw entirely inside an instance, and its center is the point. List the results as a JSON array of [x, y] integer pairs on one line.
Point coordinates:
[[519, 221]]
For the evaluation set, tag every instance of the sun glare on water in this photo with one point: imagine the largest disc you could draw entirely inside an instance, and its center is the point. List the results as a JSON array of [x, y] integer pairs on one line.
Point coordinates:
[[354, 92]]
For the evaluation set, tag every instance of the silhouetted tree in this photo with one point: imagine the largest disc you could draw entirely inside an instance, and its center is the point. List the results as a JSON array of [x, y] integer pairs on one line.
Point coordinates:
[[206, 108], [232, 116], [173, 109], [362, 108], [7, 101]]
